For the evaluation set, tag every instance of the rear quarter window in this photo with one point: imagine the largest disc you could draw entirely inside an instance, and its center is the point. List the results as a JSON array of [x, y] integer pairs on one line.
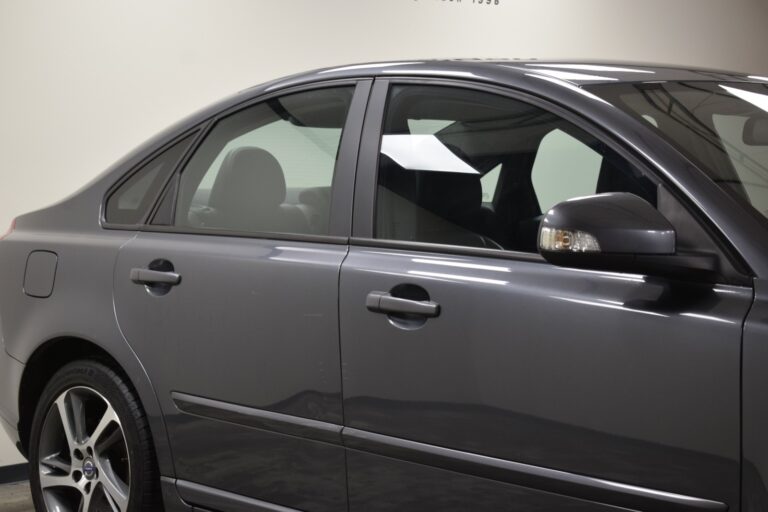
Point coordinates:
[[131, 201]]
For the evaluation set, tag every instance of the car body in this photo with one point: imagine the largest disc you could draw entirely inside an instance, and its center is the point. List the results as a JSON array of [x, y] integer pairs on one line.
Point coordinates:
[[351, 350]]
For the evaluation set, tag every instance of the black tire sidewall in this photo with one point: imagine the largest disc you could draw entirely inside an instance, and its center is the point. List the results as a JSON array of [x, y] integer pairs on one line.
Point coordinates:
[[111, 386]]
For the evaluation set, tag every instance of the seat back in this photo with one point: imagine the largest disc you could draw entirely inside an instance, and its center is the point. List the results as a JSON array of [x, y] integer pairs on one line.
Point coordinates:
[[249, 194]]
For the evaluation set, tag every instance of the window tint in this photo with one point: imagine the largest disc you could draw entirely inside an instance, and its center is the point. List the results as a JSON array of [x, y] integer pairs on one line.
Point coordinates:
[[721, 127], [564, 168], [746, 158], [489, 182], [267, 168], [468, 168], [132, 200]]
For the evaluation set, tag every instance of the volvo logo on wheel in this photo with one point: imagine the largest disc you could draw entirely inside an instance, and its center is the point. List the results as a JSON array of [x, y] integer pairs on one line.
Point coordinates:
[[89, 469]]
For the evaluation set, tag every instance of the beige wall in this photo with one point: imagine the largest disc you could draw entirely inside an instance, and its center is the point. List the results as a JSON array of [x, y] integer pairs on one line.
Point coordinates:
[[82, 82]]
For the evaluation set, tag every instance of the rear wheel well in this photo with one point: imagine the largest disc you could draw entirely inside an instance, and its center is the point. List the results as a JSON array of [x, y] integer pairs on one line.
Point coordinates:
[[47, 360]]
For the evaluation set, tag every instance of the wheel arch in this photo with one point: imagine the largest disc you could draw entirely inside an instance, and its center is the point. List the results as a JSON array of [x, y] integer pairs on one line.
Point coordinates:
[[53, 354], [44, 362]]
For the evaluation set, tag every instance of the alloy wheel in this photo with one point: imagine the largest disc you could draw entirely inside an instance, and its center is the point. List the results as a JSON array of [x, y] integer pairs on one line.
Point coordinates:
[[83, 455]]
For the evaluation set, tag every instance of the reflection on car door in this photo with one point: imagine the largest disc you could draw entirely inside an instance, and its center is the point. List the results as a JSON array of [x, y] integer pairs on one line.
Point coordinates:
[[233, 307], [500, 380]]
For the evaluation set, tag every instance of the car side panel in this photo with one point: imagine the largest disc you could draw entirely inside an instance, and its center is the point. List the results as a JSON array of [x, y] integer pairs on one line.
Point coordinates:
[[286, 470], [755, 403], [620, 377], [11, 370], [79, 307], [250, 334], [382, 484]]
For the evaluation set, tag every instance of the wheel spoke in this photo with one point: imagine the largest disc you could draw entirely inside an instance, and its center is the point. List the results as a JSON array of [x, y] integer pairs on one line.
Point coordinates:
[[111, 501], [115, 490], [107, 418], [56, 502], [66, 421], [55, 461], [85, 503], [78, 415], [47, 481]]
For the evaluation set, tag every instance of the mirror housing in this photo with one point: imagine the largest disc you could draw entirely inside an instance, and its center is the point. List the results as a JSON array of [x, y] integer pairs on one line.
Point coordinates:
[[615, 231]]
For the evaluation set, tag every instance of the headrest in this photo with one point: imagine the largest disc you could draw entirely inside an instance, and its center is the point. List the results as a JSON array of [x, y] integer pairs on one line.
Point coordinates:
[[451, 195], [249, 175], [756, 131]]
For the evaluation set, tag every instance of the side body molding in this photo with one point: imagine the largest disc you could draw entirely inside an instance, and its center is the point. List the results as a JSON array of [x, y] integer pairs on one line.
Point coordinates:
[[514, 473]]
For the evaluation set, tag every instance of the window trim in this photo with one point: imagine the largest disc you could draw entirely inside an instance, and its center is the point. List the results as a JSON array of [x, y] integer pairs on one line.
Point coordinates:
[[205, 129], [194, 133], [460, 250], [368, 169], [289, 237], [343, 176]]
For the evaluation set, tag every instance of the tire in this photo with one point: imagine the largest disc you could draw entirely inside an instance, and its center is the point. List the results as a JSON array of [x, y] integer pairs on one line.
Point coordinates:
[[105, 460]]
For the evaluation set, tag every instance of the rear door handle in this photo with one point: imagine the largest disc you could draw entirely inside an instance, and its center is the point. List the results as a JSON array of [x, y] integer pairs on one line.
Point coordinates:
[[383, 302], [146, 276]]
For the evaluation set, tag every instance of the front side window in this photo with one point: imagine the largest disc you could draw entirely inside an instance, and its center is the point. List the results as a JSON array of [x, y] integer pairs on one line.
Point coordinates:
[[721, 127], [469, 168], [559, 151], [268, 168]]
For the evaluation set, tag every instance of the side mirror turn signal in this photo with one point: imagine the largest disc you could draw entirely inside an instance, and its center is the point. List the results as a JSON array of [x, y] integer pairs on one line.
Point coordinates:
[[617, 232]]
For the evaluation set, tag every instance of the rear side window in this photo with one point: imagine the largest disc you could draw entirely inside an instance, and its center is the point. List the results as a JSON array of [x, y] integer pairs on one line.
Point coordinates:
[[268, 168], [130, 203]]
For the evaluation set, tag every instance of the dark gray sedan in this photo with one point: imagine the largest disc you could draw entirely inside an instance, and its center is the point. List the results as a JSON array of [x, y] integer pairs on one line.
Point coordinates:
[[409, 286]]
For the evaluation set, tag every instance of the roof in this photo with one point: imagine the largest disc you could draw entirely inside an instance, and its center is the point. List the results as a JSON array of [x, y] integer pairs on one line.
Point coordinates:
[[574, 72], [559, 80]]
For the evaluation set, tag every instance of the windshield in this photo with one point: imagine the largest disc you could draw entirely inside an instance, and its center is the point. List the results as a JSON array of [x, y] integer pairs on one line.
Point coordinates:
[[720, 126]]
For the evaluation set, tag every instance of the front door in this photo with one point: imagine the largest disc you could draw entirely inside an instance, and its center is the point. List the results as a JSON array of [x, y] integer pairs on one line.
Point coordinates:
[[477, 373], [233, 306]]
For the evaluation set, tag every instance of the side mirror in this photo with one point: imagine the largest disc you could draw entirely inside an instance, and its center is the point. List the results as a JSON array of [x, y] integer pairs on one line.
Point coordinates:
[[613, 231]]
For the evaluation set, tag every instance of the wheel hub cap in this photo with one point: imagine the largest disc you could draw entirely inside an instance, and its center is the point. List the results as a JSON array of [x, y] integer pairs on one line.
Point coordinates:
[[89, 469]]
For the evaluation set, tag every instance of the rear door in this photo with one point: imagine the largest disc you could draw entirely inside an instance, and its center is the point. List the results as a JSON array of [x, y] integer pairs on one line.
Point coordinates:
[[230, 300], [477, 373]]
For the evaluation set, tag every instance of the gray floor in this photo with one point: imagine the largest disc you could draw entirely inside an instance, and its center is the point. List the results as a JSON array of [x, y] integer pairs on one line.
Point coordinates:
[[15, 498]]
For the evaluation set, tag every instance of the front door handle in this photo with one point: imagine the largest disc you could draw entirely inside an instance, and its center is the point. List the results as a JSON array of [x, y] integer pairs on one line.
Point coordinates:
[[147, 276], [383, 302]]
